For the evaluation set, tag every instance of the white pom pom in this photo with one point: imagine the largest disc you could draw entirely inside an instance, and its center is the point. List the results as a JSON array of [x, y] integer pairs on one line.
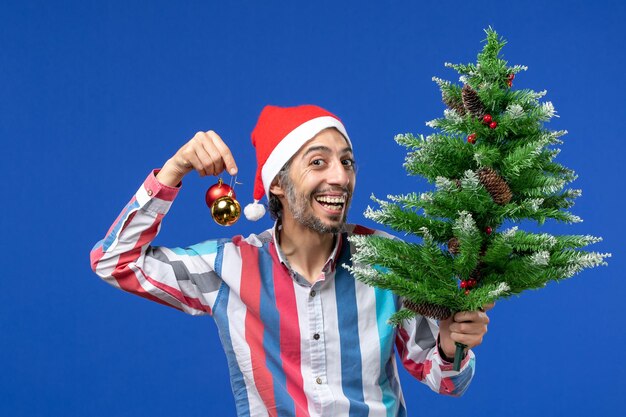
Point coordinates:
[[254, 211]]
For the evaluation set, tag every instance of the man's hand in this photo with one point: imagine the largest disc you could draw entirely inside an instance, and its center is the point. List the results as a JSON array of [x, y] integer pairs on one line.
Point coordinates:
[[206, 153], [466, 327]]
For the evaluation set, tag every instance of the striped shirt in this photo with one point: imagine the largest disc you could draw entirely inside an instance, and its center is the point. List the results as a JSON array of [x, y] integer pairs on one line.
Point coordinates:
[[293, 348]]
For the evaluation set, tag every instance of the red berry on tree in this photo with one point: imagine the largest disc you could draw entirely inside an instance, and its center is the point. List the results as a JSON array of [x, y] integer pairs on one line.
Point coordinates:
[[511, 76], [488, 230], [509, 83], [493, 125], [463, 284], [472, 283], [467, 292], [487, 118], [471, 138]]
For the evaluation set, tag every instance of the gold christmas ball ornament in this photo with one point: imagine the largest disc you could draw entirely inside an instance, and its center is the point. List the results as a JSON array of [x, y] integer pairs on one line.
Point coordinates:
[[221, 200], [225, 210]]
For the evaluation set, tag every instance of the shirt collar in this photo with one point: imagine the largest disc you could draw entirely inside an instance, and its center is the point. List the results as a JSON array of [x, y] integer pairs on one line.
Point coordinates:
[[331, 262]]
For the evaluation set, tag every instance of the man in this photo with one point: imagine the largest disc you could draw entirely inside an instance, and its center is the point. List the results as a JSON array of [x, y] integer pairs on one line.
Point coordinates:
[[301, 335]]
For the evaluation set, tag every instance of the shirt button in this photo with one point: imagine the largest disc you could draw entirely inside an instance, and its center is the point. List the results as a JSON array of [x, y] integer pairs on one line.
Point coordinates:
[[312, 293], [318, 380], [316, 336], [149, 192]]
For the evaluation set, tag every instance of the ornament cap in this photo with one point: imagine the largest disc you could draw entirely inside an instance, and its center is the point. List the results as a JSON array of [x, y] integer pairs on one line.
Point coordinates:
[[254, 211]]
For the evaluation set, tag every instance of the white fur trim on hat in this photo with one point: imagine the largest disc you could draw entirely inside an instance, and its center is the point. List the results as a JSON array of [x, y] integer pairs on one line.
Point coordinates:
[[254, 211], [291, 144]]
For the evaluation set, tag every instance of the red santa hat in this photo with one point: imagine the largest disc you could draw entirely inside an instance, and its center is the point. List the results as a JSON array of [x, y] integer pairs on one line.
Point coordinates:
[[278, 135]]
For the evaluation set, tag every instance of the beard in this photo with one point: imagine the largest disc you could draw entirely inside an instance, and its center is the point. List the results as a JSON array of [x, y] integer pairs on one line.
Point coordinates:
[[302, 211]]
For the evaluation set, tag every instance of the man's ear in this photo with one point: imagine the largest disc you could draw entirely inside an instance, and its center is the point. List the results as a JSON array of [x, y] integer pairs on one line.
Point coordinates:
[[276, 189]]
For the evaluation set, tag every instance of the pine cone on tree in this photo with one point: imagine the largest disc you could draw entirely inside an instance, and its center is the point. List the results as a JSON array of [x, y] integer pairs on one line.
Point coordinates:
[[454, 246], [454, 104], [429, 310], [475, 274], [472, 102], [495, 185]]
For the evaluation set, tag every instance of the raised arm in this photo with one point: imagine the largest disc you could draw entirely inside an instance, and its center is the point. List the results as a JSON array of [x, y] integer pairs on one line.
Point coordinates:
[[181, 278]]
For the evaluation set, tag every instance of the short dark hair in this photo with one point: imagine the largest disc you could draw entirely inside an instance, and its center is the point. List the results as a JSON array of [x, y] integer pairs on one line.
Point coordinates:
[[274, 205]]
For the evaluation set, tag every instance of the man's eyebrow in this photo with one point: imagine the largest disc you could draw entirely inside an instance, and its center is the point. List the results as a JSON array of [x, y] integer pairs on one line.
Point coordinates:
[[325, 149]]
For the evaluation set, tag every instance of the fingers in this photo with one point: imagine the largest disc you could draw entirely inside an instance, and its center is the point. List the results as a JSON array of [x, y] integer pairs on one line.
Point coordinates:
[[487, 307], [471, 316], [191, 161], [470, 334], [469, 327], [207, 154], [224, 151], [468, 339]]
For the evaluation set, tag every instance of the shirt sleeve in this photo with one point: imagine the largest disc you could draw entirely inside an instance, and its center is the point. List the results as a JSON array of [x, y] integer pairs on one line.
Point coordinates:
[[183, 278], [417, 345]]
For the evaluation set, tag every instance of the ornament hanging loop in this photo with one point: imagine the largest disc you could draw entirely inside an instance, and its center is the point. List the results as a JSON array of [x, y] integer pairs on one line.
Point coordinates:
[[233, 182]]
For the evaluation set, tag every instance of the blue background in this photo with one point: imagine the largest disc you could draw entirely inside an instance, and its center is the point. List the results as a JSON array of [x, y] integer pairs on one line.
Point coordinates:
[[96, 94]]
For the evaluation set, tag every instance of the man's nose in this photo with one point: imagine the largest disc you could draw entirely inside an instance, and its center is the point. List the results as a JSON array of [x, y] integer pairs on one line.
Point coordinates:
[[339, 175]]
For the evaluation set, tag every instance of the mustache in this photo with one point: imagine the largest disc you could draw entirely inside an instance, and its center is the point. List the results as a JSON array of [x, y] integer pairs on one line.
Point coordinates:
[[337, 189]]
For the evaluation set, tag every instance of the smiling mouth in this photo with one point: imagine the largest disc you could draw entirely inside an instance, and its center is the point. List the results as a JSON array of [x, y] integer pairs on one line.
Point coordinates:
[[335, 203]]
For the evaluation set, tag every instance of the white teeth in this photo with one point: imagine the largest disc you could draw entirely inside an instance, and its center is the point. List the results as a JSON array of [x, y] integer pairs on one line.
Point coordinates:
[[331, 200]]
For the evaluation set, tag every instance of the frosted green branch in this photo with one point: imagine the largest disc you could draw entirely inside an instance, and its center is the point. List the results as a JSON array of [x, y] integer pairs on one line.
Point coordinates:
[[459, 219]]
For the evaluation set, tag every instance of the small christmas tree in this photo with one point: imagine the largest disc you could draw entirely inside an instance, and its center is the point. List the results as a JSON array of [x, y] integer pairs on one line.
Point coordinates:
[[492, 162]]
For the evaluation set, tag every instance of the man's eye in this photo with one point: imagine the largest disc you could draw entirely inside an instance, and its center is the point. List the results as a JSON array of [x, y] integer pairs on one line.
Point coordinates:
[[348, 162], [317, 162]]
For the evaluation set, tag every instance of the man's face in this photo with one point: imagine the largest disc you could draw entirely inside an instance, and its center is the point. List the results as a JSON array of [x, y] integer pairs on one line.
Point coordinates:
[[322, 179]]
